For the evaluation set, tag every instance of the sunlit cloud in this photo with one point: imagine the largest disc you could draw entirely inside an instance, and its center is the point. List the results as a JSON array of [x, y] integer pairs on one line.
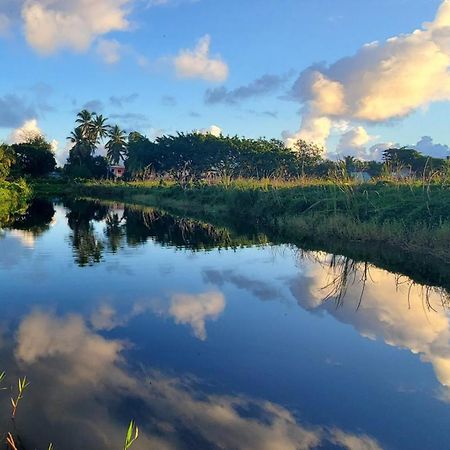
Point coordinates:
[[198, 63], [28, 130], [82, 379], [194, 310], [393, 311], [381, 82], [53, 25], [354, 143], [42, 336], [214, 130]]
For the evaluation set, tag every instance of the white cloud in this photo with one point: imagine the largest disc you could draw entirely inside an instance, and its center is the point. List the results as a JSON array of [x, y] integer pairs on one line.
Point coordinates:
[[403, 323], [214, 130], [198, 63], [84, 379], [429, 148], [52, 25], [381, 82], [196, 309], [28, 130], [353, 143], [109, 50], [42, 335], [31, 129]]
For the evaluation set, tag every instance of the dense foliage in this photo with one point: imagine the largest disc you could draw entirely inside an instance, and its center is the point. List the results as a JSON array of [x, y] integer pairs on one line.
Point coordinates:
[[6, 161], [33, 158], [90, 132], [194, 155]]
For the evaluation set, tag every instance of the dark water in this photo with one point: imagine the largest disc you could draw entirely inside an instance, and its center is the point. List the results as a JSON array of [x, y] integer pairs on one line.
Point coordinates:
[[211, 340]]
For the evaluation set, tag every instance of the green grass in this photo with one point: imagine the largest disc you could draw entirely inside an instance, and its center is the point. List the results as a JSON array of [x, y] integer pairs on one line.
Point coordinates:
[[410, 215], [13, 199]]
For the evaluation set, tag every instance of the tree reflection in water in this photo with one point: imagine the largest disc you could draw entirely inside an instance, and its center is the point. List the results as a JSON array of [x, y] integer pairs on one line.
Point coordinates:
[[133, 226], [343, 272]]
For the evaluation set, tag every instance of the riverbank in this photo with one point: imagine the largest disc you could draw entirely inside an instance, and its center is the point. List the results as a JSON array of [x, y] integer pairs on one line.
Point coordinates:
[[407, 216], [13, 199]]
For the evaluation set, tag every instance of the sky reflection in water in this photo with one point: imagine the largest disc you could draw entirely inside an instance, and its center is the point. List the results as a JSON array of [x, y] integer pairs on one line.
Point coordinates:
[[116, 313]]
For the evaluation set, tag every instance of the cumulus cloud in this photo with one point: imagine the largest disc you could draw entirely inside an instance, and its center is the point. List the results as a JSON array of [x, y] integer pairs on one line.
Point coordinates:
[[403, 323], [28, 130], [214, 130], [354, 143], [198, 63], [31, 129], [427, 146], [259, 87], [381, 82], [58, 24], [42, 336], [83, 379], [52, 25], [196, 309]]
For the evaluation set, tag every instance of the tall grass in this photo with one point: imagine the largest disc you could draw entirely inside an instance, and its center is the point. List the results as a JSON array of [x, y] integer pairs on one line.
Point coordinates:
[[411, 214]]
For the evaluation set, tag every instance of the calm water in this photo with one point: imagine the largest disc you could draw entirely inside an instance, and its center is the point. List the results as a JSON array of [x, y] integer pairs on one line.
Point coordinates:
[[116, 313]]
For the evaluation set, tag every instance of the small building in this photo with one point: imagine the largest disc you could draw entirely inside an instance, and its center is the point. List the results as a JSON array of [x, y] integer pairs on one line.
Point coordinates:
[[117, 171]]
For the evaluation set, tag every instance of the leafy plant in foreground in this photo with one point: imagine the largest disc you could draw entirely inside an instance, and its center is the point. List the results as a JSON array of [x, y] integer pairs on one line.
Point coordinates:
[[132, 435], [22, 385]]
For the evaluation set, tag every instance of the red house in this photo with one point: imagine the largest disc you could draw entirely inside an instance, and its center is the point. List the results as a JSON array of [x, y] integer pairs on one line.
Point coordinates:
[[117, 171]]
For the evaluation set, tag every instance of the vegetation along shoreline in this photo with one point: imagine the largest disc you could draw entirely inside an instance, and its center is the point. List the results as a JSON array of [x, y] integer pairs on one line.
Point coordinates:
[[405, 215]]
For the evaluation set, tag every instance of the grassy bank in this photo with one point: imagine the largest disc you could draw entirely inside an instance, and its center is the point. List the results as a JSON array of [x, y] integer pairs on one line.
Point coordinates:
[[13, 199], [408, 216]]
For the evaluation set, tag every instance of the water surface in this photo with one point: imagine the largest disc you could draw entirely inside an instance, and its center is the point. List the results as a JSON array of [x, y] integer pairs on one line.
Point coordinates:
[[211, 340]]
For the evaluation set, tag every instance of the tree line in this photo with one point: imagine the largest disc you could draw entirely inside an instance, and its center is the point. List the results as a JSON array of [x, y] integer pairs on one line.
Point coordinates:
[[187, 157], [32, 158]]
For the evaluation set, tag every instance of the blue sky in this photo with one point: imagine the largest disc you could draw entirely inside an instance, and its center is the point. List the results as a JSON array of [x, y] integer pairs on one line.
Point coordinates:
[[249, 67]]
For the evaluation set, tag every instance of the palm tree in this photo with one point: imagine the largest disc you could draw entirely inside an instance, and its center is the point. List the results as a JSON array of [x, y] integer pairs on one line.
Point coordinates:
[[99, 127], [84, 119], [82, 147], [116, 147]]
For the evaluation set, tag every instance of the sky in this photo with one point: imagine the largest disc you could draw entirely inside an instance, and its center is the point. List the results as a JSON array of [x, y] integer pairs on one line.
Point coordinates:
[[354, 76]]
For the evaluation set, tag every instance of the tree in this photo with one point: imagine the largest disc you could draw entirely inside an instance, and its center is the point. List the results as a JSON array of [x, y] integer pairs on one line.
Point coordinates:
[[82, 148], [116, 147], [90, 131], [6, 161], [403, 157], [308, 155], [34, 157], [99, 127], [84, 119]]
